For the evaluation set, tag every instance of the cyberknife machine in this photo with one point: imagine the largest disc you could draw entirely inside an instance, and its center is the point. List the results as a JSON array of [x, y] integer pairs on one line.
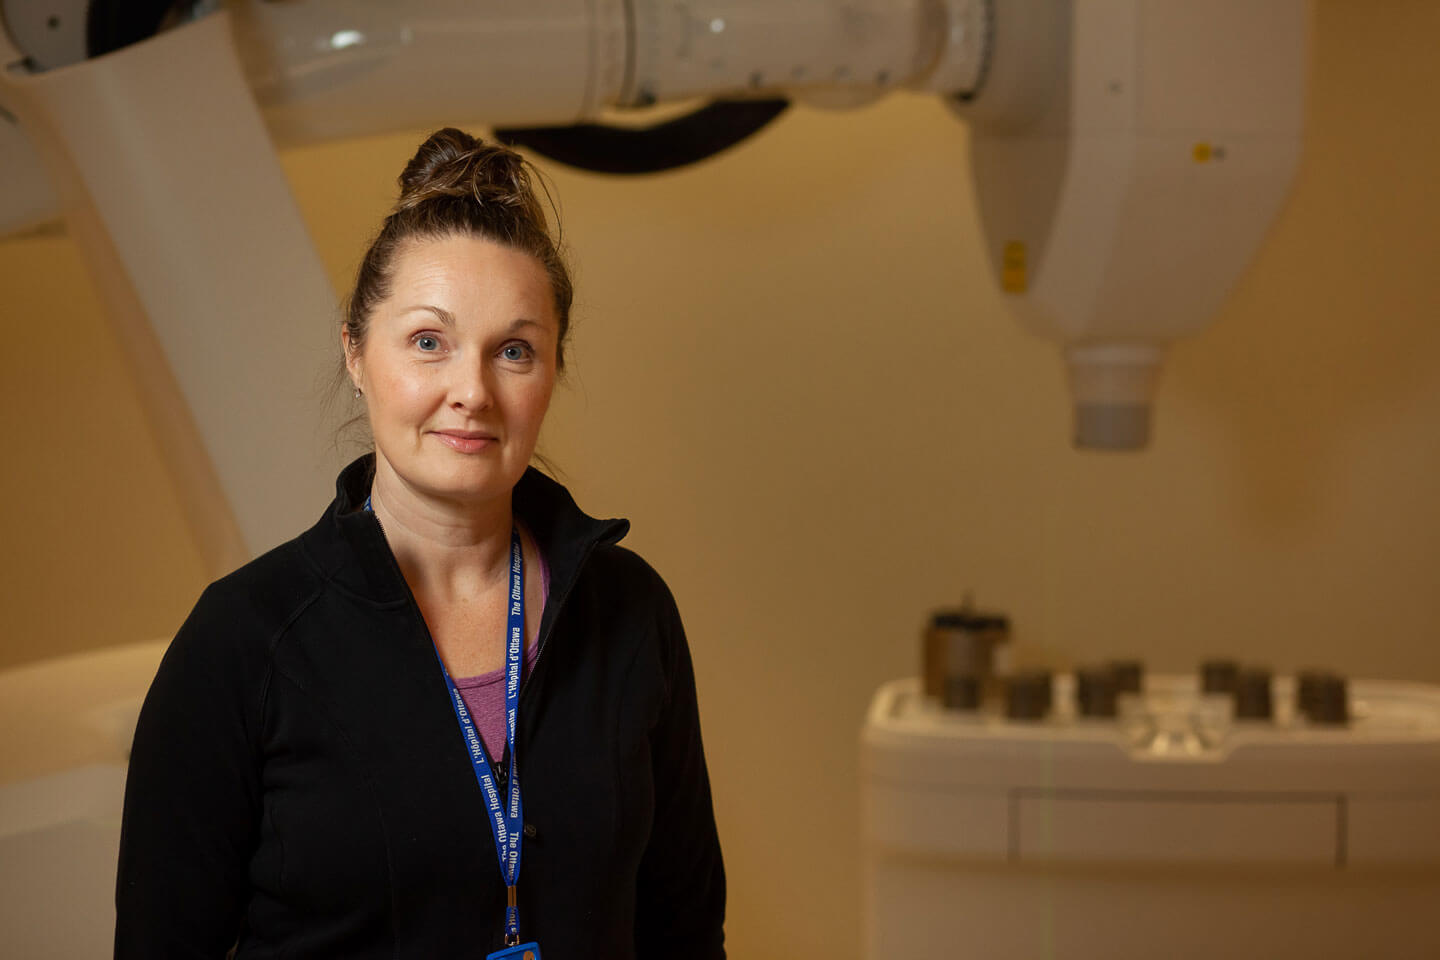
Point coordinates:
[[1128, 157]]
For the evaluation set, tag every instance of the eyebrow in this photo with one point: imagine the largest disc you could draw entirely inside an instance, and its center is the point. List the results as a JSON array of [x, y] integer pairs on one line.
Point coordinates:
[[448, 319], [445, 316]]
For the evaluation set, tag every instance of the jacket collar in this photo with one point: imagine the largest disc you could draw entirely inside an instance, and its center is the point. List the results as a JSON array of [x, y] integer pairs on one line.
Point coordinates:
[[350, 547]]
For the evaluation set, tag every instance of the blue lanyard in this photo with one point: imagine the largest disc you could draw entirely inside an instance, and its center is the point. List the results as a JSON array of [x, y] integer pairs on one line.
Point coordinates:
[[506, 819]]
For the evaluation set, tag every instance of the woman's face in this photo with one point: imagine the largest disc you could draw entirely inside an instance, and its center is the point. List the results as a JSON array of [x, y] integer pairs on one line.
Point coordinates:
[[457, 367]]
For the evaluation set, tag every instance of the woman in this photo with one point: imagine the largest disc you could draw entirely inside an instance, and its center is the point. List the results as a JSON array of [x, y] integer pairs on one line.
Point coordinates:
[[453, 718]]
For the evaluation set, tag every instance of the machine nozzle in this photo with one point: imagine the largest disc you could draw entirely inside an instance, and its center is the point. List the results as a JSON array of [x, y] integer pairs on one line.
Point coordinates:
[[1113, 385]]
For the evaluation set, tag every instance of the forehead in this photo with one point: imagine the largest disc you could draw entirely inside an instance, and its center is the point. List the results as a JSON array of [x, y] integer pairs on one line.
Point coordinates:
[[468, 274]]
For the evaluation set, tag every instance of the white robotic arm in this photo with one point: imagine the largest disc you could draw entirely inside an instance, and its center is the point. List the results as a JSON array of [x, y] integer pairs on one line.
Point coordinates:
[[1128, 157]]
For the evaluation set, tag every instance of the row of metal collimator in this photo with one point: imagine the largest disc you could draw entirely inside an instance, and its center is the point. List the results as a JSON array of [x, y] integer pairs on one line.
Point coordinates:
[[1321, 696]]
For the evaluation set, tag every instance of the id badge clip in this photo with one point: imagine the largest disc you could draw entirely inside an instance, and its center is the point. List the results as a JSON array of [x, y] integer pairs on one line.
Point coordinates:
[[523, 951]]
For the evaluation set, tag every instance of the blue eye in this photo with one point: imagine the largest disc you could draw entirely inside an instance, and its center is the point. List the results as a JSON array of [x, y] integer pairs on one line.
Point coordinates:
[[516, 352], [427, 343]]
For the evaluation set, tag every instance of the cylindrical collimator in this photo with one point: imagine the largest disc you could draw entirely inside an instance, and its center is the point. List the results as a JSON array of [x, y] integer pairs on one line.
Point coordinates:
[[961, 643], [1327, 700], [1129, 675], [1219, 676], [1307, 684], [1028, 695], [1095, 690], [1252, 695], [962, 692]]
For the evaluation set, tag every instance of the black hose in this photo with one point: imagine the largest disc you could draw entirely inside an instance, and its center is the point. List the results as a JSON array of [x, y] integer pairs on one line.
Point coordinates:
[[113, 24], [628, 150]]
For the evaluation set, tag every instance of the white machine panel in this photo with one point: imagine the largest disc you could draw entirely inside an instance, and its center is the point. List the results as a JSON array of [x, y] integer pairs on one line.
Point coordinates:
[[69, 723], [1170, 829], [1175, 828]]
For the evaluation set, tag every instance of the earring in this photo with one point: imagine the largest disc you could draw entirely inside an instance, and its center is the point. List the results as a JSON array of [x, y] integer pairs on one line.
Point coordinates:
[[357, 393]]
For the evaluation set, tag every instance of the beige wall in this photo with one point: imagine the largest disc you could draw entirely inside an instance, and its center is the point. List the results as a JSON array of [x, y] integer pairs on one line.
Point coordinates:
[[793, 373]]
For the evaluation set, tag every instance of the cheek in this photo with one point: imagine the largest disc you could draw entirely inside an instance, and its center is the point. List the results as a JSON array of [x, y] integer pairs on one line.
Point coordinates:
[[536, 400], [399, 397]]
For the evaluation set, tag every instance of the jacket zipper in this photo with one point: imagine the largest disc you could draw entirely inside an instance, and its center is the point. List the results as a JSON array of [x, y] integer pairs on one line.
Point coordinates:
[[540, 639], [496, 770]]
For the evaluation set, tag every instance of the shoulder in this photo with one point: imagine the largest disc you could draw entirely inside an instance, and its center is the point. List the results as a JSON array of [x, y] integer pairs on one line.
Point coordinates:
[[222, 659], [622, 563], [243, 613], [630, 596], [625, 574], [269, 587]]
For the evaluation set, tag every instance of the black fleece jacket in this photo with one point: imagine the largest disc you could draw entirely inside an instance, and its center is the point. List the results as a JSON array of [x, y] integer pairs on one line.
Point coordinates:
[[298, 781]]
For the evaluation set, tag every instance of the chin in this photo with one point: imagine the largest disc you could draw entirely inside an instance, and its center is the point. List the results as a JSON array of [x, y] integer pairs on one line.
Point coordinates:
[[470, 481]]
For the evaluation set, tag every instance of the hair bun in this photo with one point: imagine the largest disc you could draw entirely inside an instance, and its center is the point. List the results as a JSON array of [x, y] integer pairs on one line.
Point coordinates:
[[452, 163]]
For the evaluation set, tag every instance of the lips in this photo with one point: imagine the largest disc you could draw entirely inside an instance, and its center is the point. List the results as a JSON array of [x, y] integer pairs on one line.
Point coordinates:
[[465, 441]]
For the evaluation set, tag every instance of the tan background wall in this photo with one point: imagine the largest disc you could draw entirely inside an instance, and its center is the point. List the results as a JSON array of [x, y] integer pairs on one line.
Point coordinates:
[[793, 373]]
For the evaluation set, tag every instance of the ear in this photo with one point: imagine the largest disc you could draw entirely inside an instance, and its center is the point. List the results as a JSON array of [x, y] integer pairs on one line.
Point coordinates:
[[352, 358]]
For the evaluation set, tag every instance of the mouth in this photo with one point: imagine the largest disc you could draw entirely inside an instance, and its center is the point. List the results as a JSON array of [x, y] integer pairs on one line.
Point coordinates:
[[465, 441]]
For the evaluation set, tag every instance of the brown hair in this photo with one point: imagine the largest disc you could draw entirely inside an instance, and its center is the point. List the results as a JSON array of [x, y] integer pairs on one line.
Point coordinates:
[[457, 184]]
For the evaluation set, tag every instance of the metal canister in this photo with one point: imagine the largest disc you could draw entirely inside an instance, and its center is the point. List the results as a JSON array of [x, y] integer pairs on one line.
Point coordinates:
[[961, 643]]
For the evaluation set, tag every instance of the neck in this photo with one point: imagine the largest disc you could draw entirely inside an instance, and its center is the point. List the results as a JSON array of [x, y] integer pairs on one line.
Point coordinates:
[[445, 547]]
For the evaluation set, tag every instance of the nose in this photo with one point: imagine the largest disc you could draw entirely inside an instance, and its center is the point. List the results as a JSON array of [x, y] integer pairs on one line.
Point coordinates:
[[471, 389]]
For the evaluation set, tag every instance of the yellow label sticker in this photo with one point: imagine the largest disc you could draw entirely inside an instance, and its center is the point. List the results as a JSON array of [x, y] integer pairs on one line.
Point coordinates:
[[1202, 152], [1013, 278]]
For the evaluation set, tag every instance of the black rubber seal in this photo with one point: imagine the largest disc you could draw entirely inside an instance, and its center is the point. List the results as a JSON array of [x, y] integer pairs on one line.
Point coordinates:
[[637, 150]]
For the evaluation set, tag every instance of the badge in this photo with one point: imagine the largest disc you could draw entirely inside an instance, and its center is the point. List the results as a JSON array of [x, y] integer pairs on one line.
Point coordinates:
[[525, 951]]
